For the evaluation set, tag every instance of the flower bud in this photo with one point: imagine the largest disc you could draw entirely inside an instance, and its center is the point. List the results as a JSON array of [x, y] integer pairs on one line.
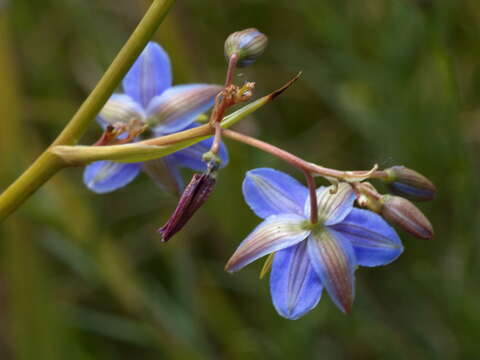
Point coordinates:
[[406, 182], [248, 44], [404, 214], [193, 197]]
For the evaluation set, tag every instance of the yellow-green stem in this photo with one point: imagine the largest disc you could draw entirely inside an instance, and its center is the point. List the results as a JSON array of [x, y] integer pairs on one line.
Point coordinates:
[[151, 148], [48, 163]]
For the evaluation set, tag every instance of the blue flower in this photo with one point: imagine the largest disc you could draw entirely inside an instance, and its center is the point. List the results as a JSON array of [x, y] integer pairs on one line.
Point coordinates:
[[151, 100], [310, 257]]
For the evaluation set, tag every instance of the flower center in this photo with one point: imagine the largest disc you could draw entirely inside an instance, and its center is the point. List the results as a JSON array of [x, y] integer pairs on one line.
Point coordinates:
[[313, 228]]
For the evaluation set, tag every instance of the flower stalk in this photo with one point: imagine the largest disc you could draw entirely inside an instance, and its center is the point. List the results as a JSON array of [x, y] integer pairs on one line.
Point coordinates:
[[156, 147], [313, 197], [299, 163]]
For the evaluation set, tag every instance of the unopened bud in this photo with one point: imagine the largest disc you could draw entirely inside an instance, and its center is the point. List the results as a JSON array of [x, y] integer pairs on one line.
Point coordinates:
[[404, 214], [193, 197], [248, 44], [406, 182]]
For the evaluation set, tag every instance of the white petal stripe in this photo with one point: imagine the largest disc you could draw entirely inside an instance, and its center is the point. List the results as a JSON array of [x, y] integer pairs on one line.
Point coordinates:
[[275, 233]]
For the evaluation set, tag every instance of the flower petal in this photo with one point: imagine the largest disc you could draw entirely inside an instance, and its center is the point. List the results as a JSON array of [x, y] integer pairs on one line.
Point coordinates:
[[164, 174], [270, 192], [374, 241], [150, 75], [191, 157], [294, 284], [277, 232], [120, 109], [106, 176], [179, 106], [334, 261], [332, 208]]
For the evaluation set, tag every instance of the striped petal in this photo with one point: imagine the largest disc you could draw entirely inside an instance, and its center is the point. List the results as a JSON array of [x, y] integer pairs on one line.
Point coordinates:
[[106, 176], [294, 284], [374, 241], [164, 174], [120, 109], [179, 106], [334, 262], [150, 75], [277, 232], [271, 192], [333, 208]]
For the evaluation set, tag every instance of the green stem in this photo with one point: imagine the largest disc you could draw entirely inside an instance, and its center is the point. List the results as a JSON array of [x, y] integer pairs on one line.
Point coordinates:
[[48, 163], [152, 148]]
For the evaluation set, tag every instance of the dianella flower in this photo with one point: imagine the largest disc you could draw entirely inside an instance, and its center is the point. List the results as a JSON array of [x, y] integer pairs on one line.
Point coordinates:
[[149, 100], [311, 257]]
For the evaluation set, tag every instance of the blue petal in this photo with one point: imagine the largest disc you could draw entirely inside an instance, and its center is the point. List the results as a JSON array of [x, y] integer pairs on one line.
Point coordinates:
[[334, 261], [120, 109], [275, 233], [180, 105], [374, 241], [149, 76], [106, 176], [294, 284], [410, 191], [269, 192], [164, 174], [191, 157], [333, 207]]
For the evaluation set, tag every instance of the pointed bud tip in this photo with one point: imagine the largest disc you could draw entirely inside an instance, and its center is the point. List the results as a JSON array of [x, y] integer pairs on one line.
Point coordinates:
[[231, 265], [345, 303], [406, 182], [248, 44], [402, 213], [347, 308]]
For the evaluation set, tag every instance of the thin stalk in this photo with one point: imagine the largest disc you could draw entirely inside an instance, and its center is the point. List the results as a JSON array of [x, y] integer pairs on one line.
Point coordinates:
[[221, 105], [217, 139], [295, 160], [48, 163], [232, 65], [313, 196]]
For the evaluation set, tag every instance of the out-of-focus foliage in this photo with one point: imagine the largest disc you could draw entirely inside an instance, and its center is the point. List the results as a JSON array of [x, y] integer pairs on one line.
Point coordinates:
[[388, 82]]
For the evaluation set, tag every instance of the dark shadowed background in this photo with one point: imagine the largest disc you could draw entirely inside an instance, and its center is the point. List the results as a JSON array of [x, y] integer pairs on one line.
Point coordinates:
[[84, 276]]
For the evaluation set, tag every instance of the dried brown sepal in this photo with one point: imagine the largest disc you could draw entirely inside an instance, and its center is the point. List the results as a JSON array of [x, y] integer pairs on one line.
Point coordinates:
[[193, 197]]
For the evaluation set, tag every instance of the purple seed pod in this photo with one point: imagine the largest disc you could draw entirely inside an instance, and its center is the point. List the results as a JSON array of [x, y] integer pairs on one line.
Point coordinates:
[[248, 44], [192, 198], [404, 214]]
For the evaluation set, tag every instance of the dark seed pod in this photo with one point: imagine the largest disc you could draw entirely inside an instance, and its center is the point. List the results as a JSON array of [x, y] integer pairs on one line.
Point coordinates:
[[248, 44], [193, 197]]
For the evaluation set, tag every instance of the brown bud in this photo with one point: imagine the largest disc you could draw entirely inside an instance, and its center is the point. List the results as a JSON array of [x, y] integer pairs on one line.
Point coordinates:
[[406, 182], [193, 197], [404, 214]]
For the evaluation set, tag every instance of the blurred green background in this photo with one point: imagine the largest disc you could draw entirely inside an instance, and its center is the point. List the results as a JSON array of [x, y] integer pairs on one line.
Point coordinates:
[[84, 276]]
